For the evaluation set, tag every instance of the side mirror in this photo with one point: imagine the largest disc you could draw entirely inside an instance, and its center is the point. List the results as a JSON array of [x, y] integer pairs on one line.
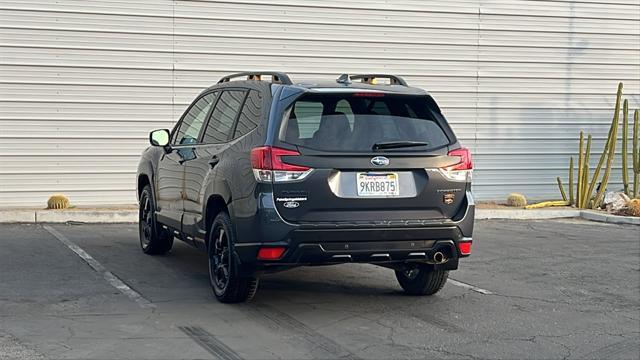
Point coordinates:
[[159, 137]]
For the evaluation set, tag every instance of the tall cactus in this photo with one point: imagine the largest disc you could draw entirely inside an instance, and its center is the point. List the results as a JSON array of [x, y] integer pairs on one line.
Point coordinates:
[[562, 192], [584, 201], [613, 140], [607, 146], [584, 183], [571, 192], [625, 136], [580, 166], [636, 155]]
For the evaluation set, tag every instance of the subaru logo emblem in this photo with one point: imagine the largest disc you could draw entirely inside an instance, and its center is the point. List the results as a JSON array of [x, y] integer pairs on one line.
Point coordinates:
[[380, 161]]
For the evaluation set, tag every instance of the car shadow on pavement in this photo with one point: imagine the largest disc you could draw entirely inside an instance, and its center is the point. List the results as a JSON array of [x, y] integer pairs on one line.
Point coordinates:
[[347, 279]]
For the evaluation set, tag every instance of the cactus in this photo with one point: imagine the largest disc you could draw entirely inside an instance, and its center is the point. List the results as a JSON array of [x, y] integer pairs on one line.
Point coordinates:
[[633, 207], [585, 173], [636, 156], [517, 200], [607, 146], [571, 196], [585, 180], [562, 192], [58, 201], [584, 184], [580, 162], [625, 135], [613, 139]]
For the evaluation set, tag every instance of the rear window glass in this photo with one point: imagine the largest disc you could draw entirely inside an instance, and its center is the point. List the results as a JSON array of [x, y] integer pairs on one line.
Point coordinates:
[[357, 122]]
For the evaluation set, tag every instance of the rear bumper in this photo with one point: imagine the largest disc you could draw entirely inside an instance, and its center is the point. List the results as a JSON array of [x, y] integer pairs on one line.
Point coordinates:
[[383, 243], [344, 246]]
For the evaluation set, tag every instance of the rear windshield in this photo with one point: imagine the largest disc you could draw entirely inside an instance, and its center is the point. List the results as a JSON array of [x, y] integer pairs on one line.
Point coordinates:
[[358, 121]]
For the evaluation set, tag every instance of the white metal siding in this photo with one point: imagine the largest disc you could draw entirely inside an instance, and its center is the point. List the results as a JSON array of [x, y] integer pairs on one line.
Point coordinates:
[[82, 82]]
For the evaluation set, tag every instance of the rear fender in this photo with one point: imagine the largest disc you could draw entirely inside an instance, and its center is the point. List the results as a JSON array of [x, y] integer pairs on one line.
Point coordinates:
[[221, 189]]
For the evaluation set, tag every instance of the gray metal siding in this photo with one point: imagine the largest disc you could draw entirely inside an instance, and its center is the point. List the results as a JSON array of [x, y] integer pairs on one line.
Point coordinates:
[[82, 82]]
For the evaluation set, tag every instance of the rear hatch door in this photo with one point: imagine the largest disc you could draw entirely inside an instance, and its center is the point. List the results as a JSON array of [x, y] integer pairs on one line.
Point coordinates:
[[373, 157]]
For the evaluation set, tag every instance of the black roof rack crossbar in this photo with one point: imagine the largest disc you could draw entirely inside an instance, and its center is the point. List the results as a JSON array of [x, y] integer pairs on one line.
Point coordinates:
[[276, 76], [368, 78]]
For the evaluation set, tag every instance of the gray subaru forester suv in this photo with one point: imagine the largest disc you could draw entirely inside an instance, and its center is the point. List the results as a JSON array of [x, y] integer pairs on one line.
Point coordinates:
[[264, 174]]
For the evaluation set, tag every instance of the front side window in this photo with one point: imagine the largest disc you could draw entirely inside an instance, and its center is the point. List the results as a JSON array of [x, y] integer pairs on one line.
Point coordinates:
[[362, 122], [223, 117], [193, 120]]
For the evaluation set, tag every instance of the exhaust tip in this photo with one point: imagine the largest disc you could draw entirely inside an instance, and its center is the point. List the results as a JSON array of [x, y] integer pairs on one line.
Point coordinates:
[[439, 257]]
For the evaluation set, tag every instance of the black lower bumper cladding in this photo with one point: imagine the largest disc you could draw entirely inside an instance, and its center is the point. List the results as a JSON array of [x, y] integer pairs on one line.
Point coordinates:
[[328, 247]]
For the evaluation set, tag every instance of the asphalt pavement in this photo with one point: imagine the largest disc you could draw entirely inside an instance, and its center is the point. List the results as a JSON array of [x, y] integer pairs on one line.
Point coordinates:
[[547, 289]]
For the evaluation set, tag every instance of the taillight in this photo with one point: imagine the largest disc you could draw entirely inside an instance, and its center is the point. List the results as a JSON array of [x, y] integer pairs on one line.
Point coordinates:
[[270, 253], [465, 247], [462, 170], [369, 94], [268, 165], [465, 159]]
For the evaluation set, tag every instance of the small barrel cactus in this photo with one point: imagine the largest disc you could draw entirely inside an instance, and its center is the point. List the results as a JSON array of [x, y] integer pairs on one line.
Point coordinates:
[[633, 207], [58, 201], [517, 200]]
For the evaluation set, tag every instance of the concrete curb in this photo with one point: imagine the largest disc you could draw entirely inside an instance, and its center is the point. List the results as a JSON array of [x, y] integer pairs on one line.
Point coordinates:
[[541, 214], [522, 214], [89, 216], [63, 216], [612, 219], [131, 216], [17, 216]]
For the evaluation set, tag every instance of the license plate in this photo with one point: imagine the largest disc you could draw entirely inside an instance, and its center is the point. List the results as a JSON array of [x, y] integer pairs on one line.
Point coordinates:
[[378, 184]]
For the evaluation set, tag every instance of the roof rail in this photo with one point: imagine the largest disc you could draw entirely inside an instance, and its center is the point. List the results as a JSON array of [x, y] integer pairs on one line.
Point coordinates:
[[369, 78], [276, 77]]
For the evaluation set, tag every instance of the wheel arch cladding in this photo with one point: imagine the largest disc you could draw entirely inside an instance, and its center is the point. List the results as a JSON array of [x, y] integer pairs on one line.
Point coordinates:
[[215, 205], [143, 179]]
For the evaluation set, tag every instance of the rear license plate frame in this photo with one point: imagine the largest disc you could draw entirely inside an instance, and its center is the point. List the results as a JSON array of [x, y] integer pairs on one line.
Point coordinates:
[[382, 185]]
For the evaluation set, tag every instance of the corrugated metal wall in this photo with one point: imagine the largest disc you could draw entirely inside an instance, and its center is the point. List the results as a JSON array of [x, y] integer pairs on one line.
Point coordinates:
[[82, 82]]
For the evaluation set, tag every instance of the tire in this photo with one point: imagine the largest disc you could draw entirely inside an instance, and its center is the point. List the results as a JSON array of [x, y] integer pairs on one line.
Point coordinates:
[[227, 285], [154, 240], [422, 280]]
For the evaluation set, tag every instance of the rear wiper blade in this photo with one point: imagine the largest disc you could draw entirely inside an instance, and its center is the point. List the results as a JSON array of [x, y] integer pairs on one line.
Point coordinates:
[[398, 144]]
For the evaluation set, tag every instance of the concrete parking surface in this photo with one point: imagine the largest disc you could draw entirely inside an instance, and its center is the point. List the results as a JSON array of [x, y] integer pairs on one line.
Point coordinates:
[[537, 289]]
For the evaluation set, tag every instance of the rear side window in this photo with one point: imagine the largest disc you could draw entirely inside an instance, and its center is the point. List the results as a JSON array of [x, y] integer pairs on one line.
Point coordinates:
[[223, 117], [250, 115], [358, 121], [193, 120]]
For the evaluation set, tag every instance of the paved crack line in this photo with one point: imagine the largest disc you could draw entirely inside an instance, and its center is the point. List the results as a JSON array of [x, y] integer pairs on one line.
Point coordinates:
[[468, 286], [210, 343], [98, 267]]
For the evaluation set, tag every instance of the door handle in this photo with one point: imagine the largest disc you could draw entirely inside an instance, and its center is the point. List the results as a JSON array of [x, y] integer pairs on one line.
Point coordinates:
[[214, 161]]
